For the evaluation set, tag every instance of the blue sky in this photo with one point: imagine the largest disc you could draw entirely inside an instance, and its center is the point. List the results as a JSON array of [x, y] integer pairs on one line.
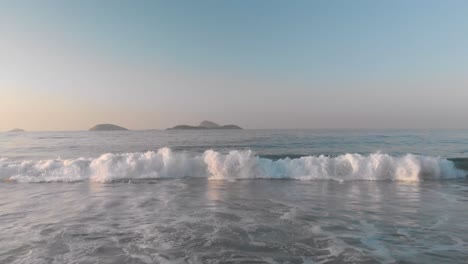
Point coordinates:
[[261, 64]]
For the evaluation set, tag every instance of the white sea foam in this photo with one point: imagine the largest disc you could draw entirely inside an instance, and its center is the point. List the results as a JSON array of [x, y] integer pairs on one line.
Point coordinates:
[[234, 165]]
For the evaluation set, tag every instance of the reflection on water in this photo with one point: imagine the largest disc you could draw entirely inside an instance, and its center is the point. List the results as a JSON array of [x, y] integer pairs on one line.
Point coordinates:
[[213, 191], [247, 221]]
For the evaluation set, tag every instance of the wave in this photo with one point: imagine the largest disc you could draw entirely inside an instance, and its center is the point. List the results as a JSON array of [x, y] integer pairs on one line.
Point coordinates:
[[234, 165]]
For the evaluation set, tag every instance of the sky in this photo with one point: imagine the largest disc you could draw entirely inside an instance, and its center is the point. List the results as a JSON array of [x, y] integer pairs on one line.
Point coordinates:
[[68, 65]]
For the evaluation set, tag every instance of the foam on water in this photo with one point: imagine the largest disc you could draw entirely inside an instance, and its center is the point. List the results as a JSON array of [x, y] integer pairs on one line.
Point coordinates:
[[234, 165]]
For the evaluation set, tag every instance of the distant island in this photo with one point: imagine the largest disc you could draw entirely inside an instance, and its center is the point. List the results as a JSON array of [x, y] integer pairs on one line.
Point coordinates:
[[204, 125], [107, 127], [16, 130]]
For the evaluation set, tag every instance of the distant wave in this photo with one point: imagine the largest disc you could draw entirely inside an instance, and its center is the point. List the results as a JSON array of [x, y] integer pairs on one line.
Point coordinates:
[[234, 165]]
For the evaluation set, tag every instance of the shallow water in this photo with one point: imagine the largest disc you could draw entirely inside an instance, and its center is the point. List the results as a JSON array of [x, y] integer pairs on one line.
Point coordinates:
[[273, 196], [247, 221]]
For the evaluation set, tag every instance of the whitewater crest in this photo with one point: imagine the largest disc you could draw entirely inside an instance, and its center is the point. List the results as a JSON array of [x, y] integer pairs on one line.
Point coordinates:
[[234, 165]]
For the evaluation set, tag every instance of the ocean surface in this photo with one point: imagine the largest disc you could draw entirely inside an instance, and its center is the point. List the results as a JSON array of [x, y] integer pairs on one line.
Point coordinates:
[[234, 196]]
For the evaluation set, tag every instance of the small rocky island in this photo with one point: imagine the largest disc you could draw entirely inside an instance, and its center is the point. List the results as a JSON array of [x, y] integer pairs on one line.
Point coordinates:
[[204, 125], [16, 130], [107, 127]]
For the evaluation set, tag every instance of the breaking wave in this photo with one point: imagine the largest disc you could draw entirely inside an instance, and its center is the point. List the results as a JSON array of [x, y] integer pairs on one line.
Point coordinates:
[[234, 165]]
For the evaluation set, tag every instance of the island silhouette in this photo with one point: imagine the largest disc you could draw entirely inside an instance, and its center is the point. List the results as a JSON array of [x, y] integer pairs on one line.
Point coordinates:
[[204, 125], [107, 127], [17, 130]]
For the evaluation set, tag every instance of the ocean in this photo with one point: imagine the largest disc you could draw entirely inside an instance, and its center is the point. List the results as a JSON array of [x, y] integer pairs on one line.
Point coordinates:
[[234, 196]]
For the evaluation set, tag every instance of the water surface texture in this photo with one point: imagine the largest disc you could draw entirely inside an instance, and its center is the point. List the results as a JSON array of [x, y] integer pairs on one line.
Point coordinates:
[[260, 196]]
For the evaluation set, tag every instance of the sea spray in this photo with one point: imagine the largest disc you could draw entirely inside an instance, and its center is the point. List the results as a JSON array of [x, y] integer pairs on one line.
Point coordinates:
[[233, 165]]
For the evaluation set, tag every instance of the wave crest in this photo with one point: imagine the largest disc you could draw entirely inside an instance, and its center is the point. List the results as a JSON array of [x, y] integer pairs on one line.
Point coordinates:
[[236, 164]]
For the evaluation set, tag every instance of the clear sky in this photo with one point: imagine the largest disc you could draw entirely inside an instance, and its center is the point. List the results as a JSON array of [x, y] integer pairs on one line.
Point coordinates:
[[68, 65]]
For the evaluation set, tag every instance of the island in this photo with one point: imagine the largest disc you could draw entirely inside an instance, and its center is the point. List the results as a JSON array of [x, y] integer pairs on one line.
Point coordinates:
[[16, 130], [204, 125], [107, 127]]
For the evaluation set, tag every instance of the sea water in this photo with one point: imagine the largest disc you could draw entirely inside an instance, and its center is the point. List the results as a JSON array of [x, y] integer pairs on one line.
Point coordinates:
[[237, 196]]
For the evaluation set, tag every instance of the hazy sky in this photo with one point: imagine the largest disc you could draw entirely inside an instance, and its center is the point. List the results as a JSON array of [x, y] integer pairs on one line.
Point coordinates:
[[68, 65]]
